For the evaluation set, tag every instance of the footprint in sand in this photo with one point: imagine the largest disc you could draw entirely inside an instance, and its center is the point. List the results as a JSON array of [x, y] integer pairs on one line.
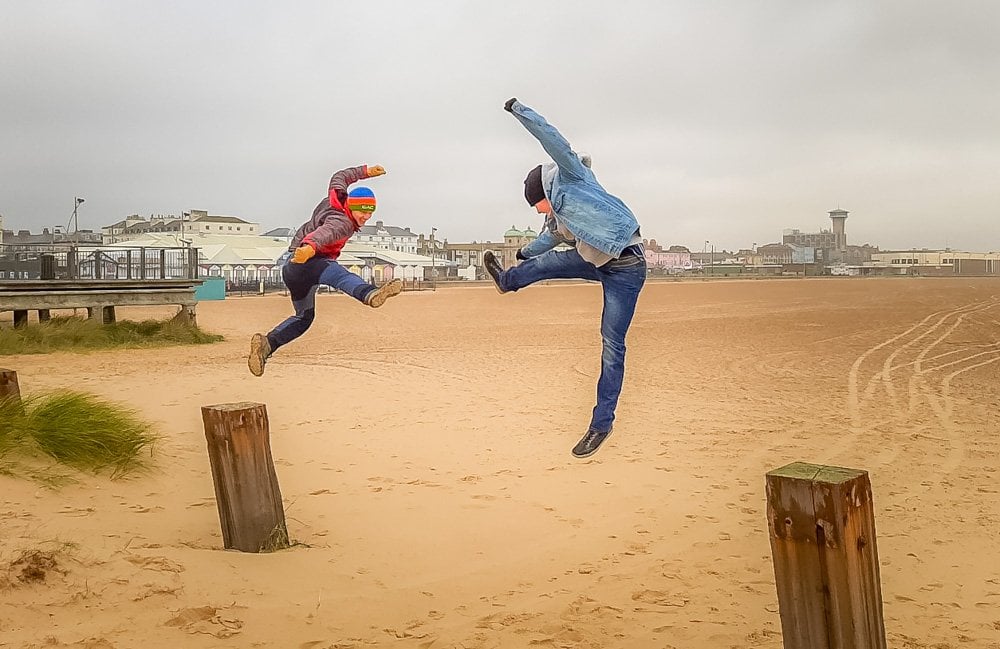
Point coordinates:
[[658, 598]]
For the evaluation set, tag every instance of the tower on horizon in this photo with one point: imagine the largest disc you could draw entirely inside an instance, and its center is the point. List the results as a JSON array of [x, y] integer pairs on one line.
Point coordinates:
[[839, 218]]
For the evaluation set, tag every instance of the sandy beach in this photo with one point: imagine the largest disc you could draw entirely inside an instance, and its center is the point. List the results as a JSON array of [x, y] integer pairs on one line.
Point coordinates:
[[423, 453]]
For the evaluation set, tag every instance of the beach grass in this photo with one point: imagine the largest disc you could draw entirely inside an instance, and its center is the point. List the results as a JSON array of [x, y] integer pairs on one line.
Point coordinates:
[[78, 334], [75, 430]]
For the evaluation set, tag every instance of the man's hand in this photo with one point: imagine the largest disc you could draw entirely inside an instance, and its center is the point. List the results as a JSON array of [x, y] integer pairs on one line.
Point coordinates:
[[377, 170], [303, 254], [509, 105]]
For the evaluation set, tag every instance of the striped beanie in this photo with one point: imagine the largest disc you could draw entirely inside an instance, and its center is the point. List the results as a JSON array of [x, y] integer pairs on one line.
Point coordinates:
[[361, 199]]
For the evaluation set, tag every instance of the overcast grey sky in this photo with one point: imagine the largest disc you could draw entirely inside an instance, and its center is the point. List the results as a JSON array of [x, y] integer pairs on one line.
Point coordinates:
[[719, 121]]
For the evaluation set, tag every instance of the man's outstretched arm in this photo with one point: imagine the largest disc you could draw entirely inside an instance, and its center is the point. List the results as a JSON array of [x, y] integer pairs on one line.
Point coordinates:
[[551, 139]]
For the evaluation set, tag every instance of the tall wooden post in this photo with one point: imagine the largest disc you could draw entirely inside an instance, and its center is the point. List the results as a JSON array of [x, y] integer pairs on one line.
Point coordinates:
[[822, 530], [246, 487], [9, 389]]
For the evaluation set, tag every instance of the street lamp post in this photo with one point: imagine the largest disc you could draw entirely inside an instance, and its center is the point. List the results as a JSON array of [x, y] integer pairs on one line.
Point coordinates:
[[433, 261], [76, 220]]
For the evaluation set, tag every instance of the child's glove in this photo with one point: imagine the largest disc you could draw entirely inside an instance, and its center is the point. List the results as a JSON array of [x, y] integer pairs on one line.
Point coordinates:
[[377, 170], [520, 255], [509, 106], [303, 254]]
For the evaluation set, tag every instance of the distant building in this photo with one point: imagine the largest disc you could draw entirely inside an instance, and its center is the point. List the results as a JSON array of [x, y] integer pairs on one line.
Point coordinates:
[[514, 240], [202, 222], [195, 221], [55, 237], [387, 237], [469, 254], [249, 259], [784, 253], [668, 262], [936, 262], [831, 246]]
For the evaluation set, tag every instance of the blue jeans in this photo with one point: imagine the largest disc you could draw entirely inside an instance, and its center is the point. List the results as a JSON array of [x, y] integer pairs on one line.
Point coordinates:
[[302, 281], [622, 280]]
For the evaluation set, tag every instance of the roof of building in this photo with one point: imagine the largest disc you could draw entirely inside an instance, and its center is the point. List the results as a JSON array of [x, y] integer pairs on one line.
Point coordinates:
[[217, 249], [391, 230], [24, 237], [250, 249], [220, 219], [157, 225], [395, 257], [279, 232], [513, 232]]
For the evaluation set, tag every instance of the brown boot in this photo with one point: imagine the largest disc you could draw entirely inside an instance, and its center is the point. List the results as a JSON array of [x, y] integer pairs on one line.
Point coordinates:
[[260, 350], [377, 298]]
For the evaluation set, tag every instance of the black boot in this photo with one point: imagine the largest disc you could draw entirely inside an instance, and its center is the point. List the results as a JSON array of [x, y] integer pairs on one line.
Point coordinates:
[[589, 443], [494, 268]]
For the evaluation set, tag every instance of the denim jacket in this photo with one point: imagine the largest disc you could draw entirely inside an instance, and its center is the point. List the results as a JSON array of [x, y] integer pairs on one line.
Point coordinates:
[[592, 214], [546, 240]]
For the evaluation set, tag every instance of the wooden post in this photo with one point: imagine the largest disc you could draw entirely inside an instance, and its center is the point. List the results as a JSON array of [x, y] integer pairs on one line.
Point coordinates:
[[246, 487], [822, 530], [186, 315], [9, 389]]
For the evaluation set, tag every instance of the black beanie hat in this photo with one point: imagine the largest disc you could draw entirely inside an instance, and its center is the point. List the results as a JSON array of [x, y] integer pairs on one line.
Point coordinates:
[[533, 191]]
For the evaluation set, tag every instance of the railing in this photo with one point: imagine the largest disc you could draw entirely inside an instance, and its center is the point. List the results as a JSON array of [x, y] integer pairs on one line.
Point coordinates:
[[98, 263]]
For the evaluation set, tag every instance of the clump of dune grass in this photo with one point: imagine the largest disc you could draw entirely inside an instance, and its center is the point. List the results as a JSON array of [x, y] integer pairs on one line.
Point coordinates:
[[11, 429], [70, 333], [35, 564], [76, 430]]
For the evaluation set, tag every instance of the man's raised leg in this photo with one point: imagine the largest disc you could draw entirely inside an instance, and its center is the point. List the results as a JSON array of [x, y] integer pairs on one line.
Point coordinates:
[[561, 264]]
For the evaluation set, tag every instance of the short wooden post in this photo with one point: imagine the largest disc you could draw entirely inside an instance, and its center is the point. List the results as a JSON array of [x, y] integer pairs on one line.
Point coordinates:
[[822, 530], [186, 315], [9, 389], [246, 486]]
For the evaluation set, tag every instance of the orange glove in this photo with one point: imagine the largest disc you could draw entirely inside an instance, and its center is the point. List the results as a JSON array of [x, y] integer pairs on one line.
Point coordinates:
[[377, 170], [303, 254]]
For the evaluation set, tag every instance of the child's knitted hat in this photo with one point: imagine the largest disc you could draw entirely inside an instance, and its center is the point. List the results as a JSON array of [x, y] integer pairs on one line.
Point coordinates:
[[361, 199]]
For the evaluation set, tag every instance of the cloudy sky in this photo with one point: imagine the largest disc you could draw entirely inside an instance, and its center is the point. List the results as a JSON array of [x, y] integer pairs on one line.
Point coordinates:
[[714, 120]]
